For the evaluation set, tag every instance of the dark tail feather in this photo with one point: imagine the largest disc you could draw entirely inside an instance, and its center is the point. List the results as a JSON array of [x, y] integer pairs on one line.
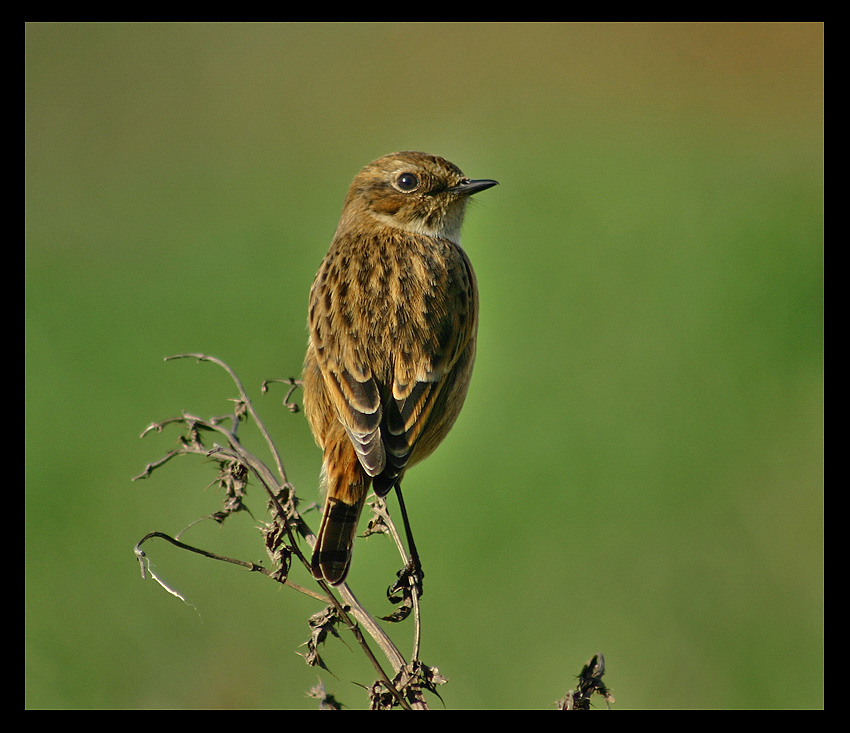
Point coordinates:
[[332, 554]]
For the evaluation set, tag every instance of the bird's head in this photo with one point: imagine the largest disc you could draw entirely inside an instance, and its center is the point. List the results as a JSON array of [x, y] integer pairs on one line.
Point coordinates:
[[414, 192]]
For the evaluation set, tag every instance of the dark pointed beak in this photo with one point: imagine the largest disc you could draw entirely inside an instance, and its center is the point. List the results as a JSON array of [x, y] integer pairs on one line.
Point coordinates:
[[467, 188]]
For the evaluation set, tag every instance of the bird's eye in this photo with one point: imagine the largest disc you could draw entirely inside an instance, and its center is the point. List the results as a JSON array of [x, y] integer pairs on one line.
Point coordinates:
[[407, 182]]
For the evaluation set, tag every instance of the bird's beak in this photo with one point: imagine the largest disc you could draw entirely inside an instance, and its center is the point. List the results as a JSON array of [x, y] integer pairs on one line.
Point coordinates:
[[467, 188]]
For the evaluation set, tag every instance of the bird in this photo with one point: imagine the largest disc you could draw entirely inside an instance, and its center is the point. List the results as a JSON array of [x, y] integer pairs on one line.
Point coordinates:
[[392, 320]]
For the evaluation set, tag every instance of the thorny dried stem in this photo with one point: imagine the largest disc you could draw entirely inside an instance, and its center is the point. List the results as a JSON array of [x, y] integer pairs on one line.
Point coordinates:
[[236, 462]]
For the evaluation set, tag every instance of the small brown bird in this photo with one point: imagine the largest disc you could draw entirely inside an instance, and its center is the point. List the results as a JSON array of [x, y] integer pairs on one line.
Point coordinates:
[[393, 319]]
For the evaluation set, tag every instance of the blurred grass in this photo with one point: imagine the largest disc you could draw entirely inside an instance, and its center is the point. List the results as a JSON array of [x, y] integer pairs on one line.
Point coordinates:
[[639, 467]]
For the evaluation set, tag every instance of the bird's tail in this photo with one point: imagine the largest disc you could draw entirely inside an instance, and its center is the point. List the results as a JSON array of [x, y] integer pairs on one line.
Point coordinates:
[[347, 485]]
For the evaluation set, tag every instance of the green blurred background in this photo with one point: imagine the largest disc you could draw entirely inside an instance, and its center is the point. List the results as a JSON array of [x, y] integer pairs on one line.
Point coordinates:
[[638, 470]]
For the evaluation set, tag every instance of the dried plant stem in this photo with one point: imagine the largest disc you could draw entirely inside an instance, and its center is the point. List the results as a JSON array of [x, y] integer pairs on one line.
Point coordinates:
[[282, 502], [380, 508]]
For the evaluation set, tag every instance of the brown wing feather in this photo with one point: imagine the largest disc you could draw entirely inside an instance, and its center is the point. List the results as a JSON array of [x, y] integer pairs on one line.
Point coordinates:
[[350, 386], [441, 367]]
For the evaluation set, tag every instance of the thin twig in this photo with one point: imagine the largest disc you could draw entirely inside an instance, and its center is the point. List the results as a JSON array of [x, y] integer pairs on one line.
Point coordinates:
[[380, 508], [289, 517], [247, 402], [252, 566], [293, 385]]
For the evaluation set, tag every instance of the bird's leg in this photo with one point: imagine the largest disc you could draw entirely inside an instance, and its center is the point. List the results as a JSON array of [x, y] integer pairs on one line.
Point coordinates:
[[413, 571]]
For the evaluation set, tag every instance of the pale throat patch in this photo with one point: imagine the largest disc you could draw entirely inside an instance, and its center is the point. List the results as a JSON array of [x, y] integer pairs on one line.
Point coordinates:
[[449, 226]]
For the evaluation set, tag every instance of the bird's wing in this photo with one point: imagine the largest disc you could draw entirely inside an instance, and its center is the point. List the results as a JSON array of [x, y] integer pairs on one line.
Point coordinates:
[[423, 372], [351, 385]]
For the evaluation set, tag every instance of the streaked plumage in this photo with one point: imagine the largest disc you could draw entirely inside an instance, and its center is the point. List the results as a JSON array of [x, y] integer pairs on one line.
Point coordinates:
[[393, 319]]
